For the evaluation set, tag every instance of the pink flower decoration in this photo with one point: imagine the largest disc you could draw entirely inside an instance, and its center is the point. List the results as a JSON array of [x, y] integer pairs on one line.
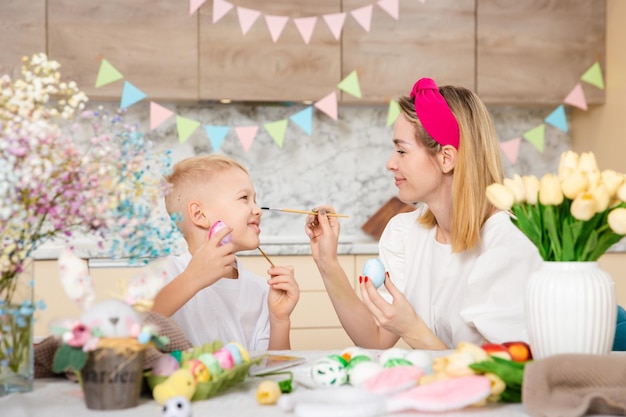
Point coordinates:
[[80, 335]]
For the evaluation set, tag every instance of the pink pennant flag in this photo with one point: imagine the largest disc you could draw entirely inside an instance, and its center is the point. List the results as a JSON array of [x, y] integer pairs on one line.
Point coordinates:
[[392, 7], [246, 135], [158, 114], [363, 16], [247, 17], [220, 8], [305, 26], [194, 5], [510, 149], [335, 23], [328, 105], [275, 24], [576, 97]]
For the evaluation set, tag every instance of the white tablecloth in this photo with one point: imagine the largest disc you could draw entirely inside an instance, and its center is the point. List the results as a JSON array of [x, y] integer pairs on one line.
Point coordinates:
[[62, 398]]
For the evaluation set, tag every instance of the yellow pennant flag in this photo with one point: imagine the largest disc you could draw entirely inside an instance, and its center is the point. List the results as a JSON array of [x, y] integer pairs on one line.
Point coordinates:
[[393, 112], [536, 136], [107, 74], [593, 76], [350, 84], [277, 131], [185, 128]]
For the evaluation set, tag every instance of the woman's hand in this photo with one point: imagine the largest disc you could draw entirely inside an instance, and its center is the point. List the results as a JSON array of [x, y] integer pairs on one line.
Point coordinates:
[[324, 234]]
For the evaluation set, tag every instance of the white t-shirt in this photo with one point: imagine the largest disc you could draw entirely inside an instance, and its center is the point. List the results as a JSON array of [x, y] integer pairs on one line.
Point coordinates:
[[229, 310], [473, 296]]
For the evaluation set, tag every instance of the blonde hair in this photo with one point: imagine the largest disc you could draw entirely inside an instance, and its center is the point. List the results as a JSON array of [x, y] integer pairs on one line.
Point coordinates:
[[191, 173], [478, 164]]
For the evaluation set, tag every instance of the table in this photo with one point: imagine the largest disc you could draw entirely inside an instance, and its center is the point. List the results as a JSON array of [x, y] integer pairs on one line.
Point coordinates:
[[63, 398]]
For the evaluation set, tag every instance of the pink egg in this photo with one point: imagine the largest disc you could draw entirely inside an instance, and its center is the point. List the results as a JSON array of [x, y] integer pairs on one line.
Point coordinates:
[[224, 358], [165, 365], [219, 225]]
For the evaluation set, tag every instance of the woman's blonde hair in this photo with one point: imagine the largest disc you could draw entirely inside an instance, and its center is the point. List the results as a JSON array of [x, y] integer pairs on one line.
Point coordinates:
[[478, 164], [190, 174]]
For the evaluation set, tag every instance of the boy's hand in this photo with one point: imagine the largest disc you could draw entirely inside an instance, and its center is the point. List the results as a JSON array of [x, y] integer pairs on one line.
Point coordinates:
[[284, 292], [211, 261]]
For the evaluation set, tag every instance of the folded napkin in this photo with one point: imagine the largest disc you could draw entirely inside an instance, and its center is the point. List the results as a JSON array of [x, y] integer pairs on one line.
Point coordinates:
[[572, 385]]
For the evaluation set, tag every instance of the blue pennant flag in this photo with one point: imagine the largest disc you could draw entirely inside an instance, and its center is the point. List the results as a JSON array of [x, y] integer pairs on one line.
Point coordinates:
[[130, 95], [216, 135], [557, 119], [303, 119]]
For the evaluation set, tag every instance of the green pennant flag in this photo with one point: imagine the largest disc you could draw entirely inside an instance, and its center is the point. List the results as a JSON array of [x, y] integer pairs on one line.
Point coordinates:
[[593, 76], [185, 128], [393, 112], [107, 74], [350, 84], [536, 136], [277, 131]]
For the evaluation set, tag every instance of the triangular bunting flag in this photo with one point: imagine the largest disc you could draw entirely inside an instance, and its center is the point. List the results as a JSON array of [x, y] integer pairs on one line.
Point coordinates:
[[277, 131], [576, 97], [363, 16], [130, 95], [246, 135], [392, 7], [107, 74], [303, 119], [185, 128], [536, 136], [220, 8], [247, 17], [275, 24], [393, 112], [305, 26], [593, 76], [158, 114], [216, 135], [350, 84], [335, 23], [510, 149], [558, 119], [194, 5], [328, 105]]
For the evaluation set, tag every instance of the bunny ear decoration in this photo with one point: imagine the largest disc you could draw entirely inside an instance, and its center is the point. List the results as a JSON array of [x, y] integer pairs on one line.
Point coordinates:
[[75, 279], [143, 287]]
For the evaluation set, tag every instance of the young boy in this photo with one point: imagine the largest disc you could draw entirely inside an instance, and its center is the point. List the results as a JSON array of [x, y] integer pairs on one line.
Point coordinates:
[[209, 293]]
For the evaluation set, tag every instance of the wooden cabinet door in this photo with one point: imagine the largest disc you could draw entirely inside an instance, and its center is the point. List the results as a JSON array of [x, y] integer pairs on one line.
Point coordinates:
[[252, 67], [153, 43], [22, 33], [534, 51], [434, 39]]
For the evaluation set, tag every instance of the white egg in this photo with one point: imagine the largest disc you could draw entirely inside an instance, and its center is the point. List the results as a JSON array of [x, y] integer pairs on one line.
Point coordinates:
[[393, 353], [374, 270], [362, 371], [420, 358]]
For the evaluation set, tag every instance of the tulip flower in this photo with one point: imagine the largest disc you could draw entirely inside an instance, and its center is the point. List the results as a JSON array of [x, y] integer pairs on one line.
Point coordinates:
[[517, 187], [568, 163], [574, 184], [612, 180], [550, 191], [621, 192], [500, 196], [601, 197], [587, 162], [531, 188], [617, 221], [583, 207]]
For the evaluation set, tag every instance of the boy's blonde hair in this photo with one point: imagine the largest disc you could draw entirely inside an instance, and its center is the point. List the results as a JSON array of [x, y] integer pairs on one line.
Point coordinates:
[[190, 174], [478, 164]]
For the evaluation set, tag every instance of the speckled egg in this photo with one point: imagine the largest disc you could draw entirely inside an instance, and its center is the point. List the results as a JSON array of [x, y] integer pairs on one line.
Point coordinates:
[[329, 372], [374, 270]]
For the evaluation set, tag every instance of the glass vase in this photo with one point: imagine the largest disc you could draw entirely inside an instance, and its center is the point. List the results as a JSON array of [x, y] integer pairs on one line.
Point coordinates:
[[570, 308], [16, 330]]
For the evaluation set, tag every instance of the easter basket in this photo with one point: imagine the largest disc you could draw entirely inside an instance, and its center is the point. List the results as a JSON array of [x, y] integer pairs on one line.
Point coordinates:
[[217, 384]]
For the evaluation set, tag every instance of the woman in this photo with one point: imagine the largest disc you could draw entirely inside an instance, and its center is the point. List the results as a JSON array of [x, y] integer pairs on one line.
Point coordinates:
[[456, 266]]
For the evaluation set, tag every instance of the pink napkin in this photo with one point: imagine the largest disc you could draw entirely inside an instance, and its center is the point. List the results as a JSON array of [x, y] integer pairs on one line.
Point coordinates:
[[572, 385]]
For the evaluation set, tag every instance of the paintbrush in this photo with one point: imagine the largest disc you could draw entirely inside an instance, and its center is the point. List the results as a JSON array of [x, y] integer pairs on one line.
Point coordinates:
[[286, 210], [266, 257]]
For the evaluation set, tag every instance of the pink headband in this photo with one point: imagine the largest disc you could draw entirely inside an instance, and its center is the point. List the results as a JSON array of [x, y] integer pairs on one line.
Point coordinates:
[[434, 114]]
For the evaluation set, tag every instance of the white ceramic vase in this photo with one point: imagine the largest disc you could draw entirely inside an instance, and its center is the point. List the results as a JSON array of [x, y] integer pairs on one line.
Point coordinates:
[[570, 308]]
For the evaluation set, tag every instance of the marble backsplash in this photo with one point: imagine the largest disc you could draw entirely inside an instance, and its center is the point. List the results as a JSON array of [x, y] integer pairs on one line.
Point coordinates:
[[342, 163]]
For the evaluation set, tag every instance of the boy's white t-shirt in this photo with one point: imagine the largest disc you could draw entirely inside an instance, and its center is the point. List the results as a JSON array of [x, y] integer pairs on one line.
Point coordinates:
[[229, 310], [472, 296]]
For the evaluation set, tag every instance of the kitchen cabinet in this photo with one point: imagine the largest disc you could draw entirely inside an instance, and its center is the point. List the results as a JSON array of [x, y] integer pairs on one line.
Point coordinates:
[[153, 43], [22, 32], [252, 67], [534, 51], [434, 40]]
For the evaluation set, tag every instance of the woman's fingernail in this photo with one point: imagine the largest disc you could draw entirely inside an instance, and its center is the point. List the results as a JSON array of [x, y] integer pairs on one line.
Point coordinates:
[[387, 274], [360, 279], [366, 279], [323, 212]]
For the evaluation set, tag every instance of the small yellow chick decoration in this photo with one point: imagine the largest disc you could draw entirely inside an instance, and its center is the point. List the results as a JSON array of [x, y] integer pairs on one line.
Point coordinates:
[[181, 383], [268, 392]]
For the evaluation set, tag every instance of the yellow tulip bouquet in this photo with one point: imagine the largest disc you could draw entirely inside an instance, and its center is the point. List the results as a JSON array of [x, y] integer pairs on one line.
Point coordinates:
[[573, 216]]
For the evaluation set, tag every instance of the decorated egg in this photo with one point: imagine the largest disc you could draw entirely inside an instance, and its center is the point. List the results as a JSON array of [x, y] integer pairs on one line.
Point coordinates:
[[362, 371], [245, 356], [198, 369], [329, 372], [374, 270], [211, 363], [356, 360], [393, 353], [353, 351], [235, 353], [224, 358], [165, 365], [219, 225], [396, 362]]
